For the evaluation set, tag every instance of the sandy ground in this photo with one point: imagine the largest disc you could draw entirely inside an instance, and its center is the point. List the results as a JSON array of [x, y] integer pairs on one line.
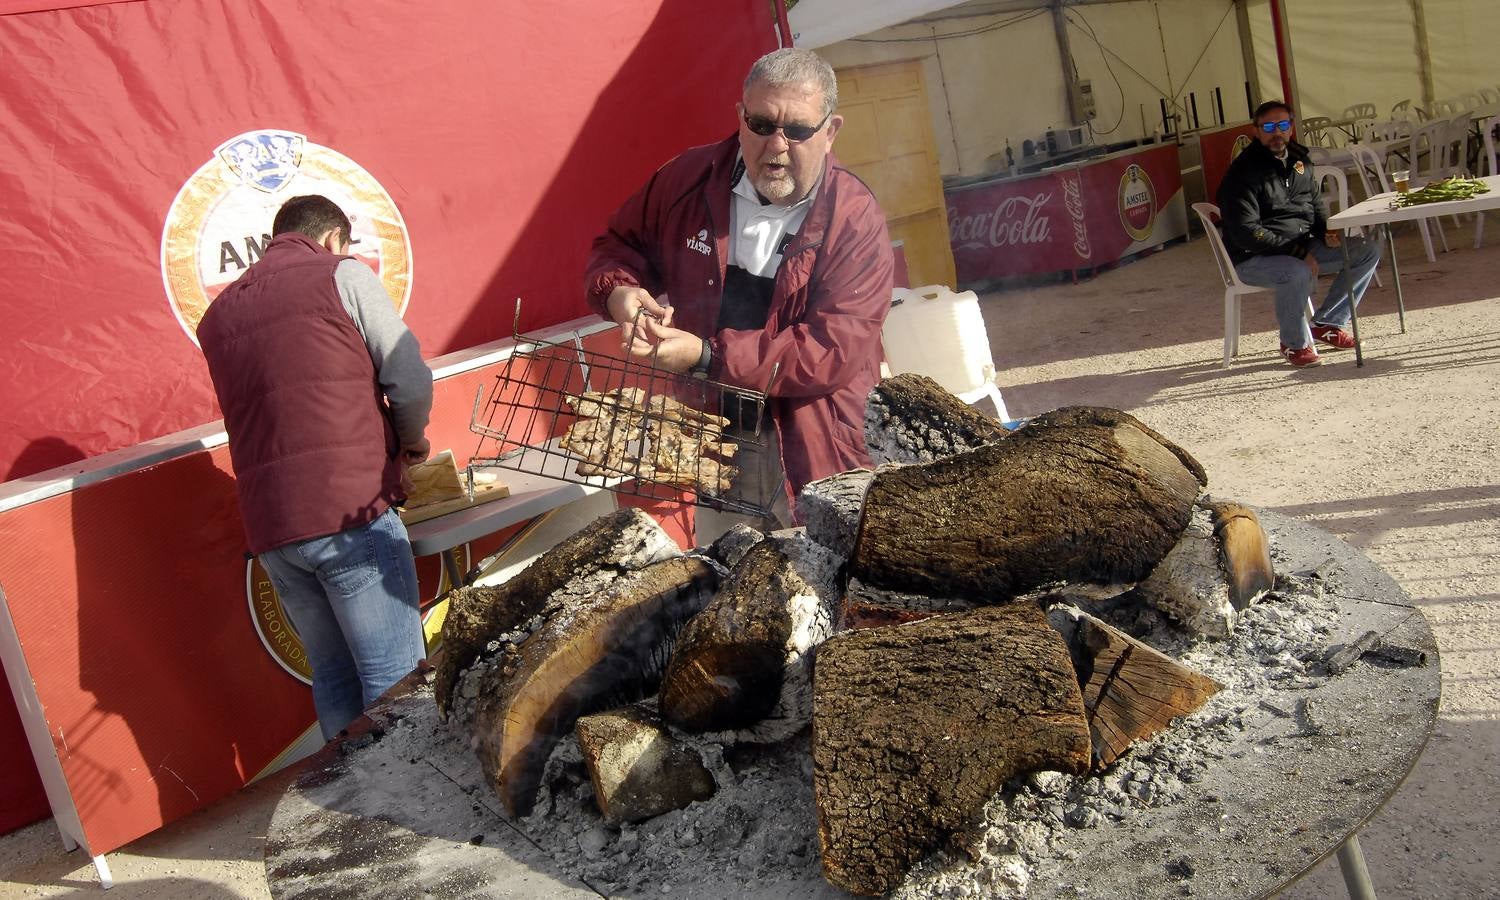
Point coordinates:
[[1399, 458]]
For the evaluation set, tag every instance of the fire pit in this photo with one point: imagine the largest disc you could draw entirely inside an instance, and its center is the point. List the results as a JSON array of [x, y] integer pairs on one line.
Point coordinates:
[[1330, 688]]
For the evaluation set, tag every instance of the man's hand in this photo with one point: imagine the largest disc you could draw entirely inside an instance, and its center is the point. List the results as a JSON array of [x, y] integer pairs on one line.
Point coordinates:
[[1312, 264], [1332, 239], [628, 305], [676, 350], [412, 454]]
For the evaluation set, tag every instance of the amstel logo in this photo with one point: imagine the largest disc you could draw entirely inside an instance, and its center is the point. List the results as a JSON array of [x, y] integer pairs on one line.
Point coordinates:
[[220, 222], [1238, 147], [279, 636], [1137, 201]]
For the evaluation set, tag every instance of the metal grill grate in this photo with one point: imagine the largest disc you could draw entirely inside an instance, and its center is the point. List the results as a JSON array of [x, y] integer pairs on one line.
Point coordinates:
[[562, 411]]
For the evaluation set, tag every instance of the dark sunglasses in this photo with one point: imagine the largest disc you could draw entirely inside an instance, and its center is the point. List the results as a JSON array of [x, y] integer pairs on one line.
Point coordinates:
[[795, 134], [1273, 127]]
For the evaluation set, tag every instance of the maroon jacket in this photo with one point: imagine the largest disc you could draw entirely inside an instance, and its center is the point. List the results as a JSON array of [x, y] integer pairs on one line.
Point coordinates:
[[313, 448], [833, 291]]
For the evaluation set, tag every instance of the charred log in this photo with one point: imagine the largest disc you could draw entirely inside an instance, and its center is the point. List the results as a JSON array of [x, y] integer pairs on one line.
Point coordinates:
[[637, 768], [916, 726], [831, 507], [599, 552], [1079, 494], [871, 607], [594, 653], [742, 663], [1220, 565], [1130, 691], [910, 418]]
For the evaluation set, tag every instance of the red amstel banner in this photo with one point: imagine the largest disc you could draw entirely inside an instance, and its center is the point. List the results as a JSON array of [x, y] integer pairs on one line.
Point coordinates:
[[1218, 150], [1077, 217], [144, 146]]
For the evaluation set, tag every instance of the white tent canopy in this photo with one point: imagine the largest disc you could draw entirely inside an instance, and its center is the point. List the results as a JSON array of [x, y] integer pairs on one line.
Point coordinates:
[[999, 70]]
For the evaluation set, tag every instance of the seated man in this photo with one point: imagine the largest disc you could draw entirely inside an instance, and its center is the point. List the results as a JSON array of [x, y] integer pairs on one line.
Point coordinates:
[[1276, 233]]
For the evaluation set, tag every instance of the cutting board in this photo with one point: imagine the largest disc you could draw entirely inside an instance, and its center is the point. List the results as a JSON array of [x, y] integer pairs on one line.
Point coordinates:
[[434, 481], [483, 493]]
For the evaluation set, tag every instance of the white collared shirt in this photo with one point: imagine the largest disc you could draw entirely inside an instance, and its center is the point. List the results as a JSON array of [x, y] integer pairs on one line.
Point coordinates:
[[757, 231]]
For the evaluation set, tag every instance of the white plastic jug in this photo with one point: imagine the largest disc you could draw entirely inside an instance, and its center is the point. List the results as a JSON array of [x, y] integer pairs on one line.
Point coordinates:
[[935, 332]]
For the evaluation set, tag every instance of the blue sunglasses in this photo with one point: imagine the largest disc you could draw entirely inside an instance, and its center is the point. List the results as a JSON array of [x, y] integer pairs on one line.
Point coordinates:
[[1273, 127]]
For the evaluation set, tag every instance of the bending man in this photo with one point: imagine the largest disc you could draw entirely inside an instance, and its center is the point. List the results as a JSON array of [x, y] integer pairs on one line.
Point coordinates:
[[325, 398]]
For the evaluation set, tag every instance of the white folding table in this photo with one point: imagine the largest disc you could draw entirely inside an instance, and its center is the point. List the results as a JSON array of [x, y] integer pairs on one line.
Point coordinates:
[[1380, 210]]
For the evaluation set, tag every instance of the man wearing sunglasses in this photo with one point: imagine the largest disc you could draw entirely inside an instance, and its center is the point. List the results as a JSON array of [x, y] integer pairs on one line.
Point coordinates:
[[1278, 237], [761, 251]]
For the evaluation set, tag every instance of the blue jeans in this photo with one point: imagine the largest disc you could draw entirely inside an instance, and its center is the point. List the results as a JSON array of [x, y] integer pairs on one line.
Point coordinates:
[[1293, 283], [353, 599]]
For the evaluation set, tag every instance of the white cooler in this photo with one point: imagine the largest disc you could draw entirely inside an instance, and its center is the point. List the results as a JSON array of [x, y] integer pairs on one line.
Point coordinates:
[[935, 332]]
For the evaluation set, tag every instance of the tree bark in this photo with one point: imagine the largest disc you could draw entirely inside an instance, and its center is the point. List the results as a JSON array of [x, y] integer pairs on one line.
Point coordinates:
[[596, 652], [1080, 494], [602, 550], [916, 726], [910, 418], [1130, 690]]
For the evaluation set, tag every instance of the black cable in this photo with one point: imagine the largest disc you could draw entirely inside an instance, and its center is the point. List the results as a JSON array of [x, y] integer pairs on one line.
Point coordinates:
[[994, 26], [1204, 51], [1108, 68]]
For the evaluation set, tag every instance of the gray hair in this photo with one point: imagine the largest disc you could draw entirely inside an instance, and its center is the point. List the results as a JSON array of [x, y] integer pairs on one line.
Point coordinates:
[[796, 67]]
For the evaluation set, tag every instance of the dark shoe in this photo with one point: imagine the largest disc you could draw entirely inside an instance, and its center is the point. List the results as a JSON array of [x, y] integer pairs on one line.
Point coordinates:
[[1301, 357], [1333, 336]]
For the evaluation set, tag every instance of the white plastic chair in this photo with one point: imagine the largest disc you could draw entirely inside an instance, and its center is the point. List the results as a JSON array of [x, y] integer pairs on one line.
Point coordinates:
[[1369, 161], [1339, 195], [1360, 111], [1489, 96], [1402, 110], [1488, 163], [1234, 288], [1315, 131], [1436, 151], [1442, 109]]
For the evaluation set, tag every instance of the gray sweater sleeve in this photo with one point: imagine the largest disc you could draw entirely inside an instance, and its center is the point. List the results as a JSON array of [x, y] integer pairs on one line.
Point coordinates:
[[393, 348]]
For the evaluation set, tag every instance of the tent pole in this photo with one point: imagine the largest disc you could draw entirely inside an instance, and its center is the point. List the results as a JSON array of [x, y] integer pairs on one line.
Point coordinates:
[[1247, 50], [1284, 55], [783, 27], [1065, 50], [1424, 52]]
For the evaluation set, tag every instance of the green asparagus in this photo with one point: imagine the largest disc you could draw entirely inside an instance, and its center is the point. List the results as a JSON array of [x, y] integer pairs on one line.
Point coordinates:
[[1456, 188]]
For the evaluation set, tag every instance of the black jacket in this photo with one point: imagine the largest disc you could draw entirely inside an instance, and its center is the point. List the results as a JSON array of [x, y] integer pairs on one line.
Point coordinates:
[[1270, 208]]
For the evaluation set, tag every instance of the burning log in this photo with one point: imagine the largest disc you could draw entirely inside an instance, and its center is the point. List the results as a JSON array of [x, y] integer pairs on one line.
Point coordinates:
[[1130, 690], [601, 551], [916, 726], [1220, 566], [731, 546], [637, 768], [594, 652], [871, 607], [1080, 494], [911, 418], [831, 507], [742, 664]]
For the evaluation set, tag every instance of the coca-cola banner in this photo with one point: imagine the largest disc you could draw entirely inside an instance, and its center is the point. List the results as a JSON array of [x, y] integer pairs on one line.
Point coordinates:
[[1078, 217]]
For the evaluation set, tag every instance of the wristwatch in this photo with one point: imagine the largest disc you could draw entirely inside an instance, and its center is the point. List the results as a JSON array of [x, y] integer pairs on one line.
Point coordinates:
[[705, 360]]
